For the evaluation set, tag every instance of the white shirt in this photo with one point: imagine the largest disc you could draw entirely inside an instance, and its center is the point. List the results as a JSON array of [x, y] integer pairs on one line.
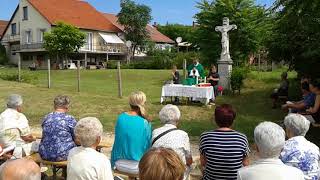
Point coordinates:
[[177, 140], [87, 163], [269, 169], [13, 125]]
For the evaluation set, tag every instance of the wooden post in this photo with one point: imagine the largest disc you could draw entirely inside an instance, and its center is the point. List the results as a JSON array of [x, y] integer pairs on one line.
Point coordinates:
[[78, 74], [49, 74], [119, 80], [185, 69], [19, 68], [259, 61]]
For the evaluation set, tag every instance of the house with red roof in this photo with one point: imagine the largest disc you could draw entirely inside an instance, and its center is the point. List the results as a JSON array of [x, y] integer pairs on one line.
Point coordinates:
[[3, 25], [23, 35]]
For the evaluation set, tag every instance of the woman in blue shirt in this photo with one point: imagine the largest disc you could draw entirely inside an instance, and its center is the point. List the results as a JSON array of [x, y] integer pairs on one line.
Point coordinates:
[[58, 132], [132, 132]]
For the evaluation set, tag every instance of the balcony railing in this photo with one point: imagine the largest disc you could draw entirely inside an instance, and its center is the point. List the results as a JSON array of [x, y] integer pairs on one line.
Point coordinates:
[[31, 46], [108, 48], [11, 38]]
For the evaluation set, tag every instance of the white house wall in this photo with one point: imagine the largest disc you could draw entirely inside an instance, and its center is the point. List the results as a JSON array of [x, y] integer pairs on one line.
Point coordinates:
[[35, 23]]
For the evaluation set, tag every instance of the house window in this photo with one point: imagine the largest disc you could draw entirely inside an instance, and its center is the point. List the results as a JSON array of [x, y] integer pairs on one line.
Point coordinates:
[[41, 34], [89, 41], [25, 13], [14, 29], [28, 37]]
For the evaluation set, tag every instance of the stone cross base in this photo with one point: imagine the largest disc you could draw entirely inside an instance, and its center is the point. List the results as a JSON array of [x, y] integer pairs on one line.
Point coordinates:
[[224, 70]]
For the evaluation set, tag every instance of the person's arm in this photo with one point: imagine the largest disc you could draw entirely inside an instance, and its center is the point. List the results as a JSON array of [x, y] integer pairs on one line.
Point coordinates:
[[203, 161], [299, 106], [245, 161], [28, 138], [72, 124]]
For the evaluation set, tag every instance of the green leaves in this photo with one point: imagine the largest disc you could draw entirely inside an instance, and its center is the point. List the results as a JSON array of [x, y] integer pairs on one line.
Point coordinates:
[[135, 17], [247, 39], [296, 35], [63, 39]]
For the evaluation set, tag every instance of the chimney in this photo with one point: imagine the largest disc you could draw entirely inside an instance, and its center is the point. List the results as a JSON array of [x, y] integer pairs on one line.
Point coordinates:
[[155, 24]]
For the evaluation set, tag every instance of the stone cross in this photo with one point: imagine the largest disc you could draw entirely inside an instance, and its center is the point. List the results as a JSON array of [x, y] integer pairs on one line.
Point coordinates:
[[224, 29]]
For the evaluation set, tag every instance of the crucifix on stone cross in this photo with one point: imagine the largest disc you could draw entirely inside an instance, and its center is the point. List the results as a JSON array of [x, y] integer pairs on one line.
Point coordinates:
[[224, 29]]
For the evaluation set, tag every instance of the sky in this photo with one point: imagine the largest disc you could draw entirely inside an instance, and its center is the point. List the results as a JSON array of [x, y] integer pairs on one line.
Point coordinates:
[[163, 11]]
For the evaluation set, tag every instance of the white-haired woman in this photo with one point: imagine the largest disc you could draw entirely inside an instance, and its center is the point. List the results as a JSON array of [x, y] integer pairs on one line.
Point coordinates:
[[169, 136], [298, 151], [14, 127], [132, 134], [58, 132], [85, 162], [269, 138]]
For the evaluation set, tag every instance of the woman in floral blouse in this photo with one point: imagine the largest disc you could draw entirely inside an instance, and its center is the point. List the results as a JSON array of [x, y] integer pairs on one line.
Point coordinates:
[[298, 151], [58, 132]]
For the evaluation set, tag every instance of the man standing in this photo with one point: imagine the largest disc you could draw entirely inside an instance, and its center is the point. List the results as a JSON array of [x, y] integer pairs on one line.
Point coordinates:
[[195, 69]]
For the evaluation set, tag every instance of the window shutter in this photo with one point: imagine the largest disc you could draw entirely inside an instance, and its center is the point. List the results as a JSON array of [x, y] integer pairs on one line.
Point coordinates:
[[31, 36]]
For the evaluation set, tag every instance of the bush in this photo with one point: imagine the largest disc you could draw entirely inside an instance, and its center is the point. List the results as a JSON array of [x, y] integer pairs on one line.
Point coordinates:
[[3, 56], [237, 76], [26, 77]]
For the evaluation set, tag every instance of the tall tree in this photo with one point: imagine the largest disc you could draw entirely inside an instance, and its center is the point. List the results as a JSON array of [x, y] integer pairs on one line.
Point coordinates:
[[135, 17], [244, 41], [296, 36], [63, 40]]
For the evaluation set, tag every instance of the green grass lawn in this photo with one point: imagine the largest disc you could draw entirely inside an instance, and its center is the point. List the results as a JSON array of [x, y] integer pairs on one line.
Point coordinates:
[[99, 98]]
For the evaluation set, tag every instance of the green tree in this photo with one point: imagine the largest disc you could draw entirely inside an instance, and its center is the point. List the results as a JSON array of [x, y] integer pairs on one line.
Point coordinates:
[[247, 39], [3, 55], [296, 35], [135, 17], [63, 40]]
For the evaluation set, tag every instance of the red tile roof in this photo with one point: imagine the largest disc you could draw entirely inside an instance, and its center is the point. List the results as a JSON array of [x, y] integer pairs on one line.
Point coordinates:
[[75, 12], [155, 35], [3, 26]]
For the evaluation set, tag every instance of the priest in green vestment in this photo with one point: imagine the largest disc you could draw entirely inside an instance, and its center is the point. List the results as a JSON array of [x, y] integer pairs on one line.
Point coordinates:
[[195, 70], [195, 66]]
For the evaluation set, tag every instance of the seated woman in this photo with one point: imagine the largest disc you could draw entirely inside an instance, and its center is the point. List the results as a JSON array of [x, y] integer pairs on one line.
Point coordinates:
[[298, 151], [213, 78], [84, 162], [282, 90], [168, 136], [132, 135], [161, 164], [315, 110], [14, 128], [217, 145], [58, 132], [308, 99]]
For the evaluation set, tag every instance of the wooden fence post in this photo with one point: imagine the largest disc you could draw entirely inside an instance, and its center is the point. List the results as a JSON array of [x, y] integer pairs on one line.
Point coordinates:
[[185, 69], [49, 74], [78, 74], [19, 69], [119, 80]]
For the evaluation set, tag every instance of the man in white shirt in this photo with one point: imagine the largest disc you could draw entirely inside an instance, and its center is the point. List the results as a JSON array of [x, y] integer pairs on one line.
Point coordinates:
[[85, 162], [269, 138], [14, 127]]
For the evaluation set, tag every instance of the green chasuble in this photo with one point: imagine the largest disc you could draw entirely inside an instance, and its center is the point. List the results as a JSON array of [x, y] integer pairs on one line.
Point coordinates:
[[199, 67]]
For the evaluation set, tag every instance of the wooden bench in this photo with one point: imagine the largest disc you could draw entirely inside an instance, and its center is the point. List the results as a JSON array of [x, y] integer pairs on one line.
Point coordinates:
[[129, 175], [56, 166]]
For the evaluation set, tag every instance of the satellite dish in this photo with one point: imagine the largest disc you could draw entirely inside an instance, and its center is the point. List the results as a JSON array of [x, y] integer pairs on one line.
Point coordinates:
[[179, 40], [128, 44]]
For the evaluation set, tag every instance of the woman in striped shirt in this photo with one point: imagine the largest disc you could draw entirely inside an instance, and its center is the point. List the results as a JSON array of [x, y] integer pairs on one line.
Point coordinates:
[[224, 150]]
